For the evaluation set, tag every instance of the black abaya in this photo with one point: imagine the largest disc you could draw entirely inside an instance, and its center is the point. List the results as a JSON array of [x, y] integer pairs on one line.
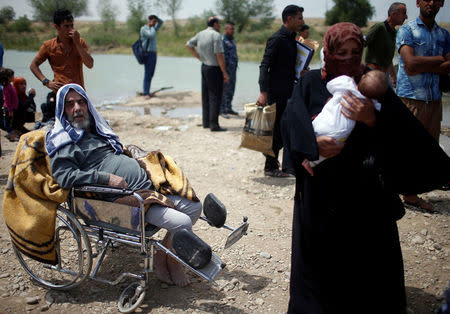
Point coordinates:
[[346, 255]]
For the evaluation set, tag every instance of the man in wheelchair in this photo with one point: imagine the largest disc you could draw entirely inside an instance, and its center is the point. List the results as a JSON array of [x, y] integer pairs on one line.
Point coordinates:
[[84, 150]]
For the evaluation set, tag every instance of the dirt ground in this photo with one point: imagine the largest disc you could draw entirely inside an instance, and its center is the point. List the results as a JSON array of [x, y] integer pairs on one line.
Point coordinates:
[[256, 279]]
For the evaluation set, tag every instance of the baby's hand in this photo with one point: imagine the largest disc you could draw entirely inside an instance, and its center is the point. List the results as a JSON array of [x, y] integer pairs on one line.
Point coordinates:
[[308, 168]]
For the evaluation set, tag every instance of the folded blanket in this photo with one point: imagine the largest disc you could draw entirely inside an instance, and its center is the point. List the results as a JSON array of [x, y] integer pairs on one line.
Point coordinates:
[[32, 195], [165, 174], [31, 199]]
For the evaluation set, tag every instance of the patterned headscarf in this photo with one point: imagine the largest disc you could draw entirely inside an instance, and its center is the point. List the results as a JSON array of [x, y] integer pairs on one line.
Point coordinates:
[[17, 81], [334, 38], [62, 133]]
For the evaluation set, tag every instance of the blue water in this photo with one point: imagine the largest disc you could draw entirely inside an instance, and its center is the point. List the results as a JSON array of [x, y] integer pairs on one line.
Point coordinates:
[[115, 78]]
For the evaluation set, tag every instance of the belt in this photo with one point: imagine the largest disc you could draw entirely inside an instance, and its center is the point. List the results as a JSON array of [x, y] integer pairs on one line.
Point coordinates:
[[377, 67]]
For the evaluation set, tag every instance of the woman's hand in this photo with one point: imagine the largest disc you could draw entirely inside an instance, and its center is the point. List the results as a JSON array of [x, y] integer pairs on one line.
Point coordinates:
[[358, 110], [328, 147]]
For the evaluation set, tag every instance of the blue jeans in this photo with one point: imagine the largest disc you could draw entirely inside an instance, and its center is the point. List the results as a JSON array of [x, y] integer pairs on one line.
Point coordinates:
[[150, 65]]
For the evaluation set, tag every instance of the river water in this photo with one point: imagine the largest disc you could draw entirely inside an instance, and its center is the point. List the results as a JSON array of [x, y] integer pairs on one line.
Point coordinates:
[[115, 78]]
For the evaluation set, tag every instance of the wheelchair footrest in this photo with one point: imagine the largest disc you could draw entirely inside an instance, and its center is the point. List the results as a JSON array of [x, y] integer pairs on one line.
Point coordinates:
[[191, 249]]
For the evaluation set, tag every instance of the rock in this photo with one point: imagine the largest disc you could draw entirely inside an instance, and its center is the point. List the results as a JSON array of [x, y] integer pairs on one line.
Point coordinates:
[[45, 307], [437, 246], [163, 128], [259, 301], [49, 298], [424, 232], [427, 215], [15, 286], [5, 295], [265, 255], [32, 300], [5, 275], [418, 240]]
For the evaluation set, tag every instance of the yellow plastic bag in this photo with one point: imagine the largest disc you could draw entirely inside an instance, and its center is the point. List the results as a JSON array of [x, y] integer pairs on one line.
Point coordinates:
[[258, 129]]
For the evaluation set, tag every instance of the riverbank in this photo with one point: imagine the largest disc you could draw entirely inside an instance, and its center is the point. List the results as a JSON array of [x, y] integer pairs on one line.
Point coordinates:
[[256, 279]]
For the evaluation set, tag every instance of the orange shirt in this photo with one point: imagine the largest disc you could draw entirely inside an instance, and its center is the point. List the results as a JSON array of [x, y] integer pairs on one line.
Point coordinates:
[[66, 64]]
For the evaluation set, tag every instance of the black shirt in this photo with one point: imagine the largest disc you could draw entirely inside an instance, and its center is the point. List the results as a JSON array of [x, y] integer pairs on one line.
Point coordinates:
[[277, 69]]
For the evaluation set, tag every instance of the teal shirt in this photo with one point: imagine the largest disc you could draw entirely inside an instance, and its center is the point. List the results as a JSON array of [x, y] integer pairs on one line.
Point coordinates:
[[91, 160], [148, 36]]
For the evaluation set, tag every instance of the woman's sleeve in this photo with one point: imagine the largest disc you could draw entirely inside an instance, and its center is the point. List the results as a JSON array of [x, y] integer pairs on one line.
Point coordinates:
[[298, 134], [413, 160]]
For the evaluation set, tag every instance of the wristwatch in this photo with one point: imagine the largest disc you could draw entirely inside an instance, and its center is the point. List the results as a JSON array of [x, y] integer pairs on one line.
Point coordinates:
[[45, 81]]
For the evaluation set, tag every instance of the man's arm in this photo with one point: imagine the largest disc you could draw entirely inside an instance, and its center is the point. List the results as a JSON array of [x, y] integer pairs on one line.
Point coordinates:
[[264, 70], [82, 49], [221, 61], [159, 24], [393, 75], [420, 64], [193, 51], [34, 67]]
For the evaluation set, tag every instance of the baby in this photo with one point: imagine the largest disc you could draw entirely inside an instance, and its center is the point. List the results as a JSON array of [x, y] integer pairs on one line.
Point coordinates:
[[331, 122]]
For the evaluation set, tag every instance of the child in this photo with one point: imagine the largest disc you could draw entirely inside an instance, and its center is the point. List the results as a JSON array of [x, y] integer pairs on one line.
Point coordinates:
[[10, 102], [331, 122], [26, 108]]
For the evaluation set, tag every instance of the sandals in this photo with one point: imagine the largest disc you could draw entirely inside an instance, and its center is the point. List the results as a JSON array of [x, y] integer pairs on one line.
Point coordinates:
[[419, 203], [277, 173]]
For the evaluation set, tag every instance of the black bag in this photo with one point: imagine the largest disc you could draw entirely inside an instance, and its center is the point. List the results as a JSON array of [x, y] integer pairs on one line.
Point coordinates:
[[444, 83], [138, 51]]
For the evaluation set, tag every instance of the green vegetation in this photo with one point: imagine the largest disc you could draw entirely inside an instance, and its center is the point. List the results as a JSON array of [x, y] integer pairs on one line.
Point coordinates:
[[356, 11], [251, 42]]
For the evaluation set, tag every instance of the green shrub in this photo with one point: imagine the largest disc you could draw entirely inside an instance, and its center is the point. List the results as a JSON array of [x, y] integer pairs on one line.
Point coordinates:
[[23, 24]]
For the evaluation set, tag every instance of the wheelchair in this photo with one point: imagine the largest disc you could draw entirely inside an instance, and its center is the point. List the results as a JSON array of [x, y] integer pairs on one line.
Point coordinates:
[[87, 226]]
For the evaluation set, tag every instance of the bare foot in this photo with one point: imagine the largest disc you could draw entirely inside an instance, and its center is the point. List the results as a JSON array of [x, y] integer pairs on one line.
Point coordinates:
[[160, 262], [147, 97], [177, 273]]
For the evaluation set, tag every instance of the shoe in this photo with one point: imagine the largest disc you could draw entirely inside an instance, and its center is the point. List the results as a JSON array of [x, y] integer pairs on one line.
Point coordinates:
[[225, 116], [232, 112], [218, 129], [418, 202], [277, 173]]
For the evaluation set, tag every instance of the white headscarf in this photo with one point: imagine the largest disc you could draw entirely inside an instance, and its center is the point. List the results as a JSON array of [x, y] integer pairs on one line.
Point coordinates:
[[62, 133]]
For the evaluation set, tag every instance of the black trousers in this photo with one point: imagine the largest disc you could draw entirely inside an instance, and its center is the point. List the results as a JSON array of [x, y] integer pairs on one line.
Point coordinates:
[[212, 87], [277, 141]]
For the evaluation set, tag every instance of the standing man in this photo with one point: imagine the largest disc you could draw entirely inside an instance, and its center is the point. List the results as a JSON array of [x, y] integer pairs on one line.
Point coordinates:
[[277, 76], [148, 36], [424, 50], [66, 54], [214, 75], [380, 41], [303, 33], [231, 63]]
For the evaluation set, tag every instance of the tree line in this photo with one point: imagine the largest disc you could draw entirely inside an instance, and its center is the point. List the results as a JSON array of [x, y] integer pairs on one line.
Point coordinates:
[[238, 11]]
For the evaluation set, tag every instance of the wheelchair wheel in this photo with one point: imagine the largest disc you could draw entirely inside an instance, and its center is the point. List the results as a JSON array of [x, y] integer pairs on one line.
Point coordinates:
[[131, 298], [74, 251]]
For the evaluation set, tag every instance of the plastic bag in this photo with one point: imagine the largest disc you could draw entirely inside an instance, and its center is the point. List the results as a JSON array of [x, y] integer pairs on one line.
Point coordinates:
[[258, 129]]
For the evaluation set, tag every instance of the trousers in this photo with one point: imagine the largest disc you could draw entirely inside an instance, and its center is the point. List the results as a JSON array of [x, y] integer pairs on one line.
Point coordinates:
[[184, 216], [212, 87], [228, 91], [149, 65]]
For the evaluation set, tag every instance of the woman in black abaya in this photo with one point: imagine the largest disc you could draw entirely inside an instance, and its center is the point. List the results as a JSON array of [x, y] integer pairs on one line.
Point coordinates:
[[346, 255]]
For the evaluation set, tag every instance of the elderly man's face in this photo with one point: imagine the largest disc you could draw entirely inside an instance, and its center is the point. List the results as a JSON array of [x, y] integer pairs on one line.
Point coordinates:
[[76, 110]]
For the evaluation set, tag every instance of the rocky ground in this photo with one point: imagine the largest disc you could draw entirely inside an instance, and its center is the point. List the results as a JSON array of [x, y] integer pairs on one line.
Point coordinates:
[[256, 278]]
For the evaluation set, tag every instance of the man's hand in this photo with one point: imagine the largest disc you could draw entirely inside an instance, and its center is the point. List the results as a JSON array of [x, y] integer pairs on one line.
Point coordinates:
[[117, 181], [75, 35], [328, 147], [226, 78], [262, 99], [54, 86]]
